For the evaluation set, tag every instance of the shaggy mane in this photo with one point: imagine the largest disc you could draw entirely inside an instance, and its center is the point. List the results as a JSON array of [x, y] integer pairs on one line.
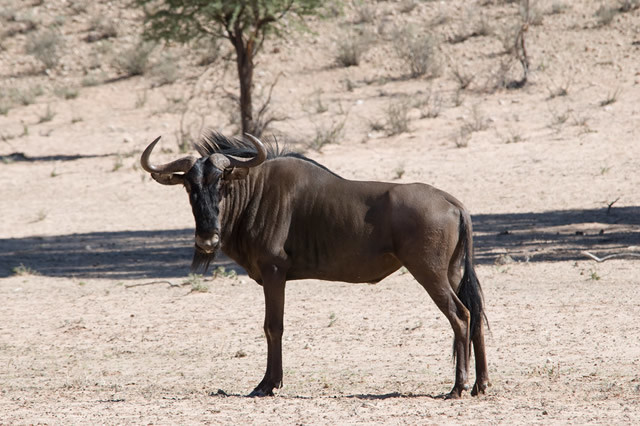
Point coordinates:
[[213, 142]]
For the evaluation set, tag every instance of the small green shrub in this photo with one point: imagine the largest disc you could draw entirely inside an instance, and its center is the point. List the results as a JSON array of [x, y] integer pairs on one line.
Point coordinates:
[[223, 272], [22, 270], [197, 284]]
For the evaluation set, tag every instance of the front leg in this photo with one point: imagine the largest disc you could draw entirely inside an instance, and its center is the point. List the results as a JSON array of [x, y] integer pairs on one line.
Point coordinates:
[[273, 284]]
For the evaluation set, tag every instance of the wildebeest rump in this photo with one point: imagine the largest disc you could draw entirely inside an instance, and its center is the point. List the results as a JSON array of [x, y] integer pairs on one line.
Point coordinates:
[[282, 216]]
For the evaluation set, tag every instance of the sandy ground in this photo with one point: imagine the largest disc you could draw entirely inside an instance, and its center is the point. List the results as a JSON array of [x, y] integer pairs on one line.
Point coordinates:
[[99, 324]]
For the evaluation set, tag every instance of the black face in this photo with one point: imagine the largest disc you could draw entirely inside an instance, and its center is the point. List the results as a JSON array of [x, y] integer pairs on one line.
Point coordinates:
[[202, 183]]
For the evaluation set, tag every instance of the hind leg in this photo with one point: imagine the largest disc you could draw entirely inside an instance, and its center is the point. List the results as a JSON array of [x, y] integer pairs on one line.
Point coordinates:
[[482, 372], [440, 290]]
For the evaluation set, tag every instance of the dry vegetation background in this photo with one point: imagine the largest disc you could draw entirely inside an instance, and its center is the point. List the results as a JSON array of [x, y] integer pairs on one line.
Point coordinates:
[[400, 91]]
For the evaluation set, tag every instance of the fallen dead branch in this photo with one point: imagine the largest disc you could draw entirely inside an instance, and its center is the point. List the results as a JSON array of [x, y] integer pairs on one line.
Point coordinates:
[[155, 282], [611, 256]]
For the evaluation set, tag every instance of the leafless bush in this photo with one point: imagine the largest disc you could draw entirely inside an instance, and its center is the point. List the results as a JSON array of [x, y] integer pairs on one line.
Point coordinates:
[[560, 90], [501, 78], [457, 98], [629, 5], [315, 105], [264, 115], [328, 134], [513, 38], [479, 28], [418, 51], [45, 47], [429, 104], [476, 121], [47, 115], [558, 118], [79, 6], [66, 92], [558, 7], [531, 13], [165, 71], [208, 50], [507, 36], [365, 13], [407, 6], [101, 28], [463, 78], [135, 59], [5, 105], [351, 48], [25, 96], [376, 125], [398, 117], [513, 137], [91, 80], [462, 137], [605, 14], [611, 98]]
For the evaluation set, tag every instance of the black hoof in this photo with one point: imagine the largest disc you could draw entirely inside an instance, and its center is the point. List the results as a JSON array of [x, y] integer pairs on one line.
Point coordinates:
[[478, 388], [259, 393]]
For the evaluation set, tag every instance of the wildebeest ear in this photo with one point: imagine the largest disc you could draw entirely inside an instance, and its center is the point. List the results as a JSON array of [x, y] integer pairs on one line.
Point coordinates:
[[172, 179], [233, 173]]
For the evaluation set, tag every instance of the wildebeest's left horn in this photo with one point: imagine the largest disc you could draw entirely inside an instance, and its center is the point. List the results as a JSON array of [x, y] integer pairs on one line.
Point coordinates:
[[261, 155], [182, 165]]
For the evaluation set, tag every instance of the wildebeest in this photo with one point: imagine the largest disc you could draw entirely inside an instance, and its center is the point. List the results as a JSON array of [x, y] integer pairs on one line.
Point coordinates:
[[282, 216]]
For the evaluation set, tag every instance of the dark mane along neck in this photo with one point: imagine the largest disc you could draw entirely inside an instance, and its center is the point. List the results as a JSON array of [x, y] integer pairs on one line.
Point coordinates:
[[215, 143]]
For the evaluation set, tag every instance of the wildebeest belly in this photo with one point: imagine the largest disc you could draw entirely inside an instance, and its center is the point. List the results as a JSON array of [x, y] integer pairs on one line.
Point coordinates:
[[351, 267]]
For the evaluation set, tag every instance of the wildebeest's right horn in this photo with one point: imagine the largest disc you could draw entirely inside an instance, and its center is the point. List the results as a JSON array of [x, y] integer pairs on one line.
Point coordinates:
[[261, 155], [182, 165]]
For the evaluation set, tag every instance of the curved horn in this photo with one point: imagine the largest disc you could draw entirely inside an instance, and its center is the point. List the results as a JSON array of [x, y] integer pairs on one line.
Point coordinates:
[[181, 165], [261, 155]]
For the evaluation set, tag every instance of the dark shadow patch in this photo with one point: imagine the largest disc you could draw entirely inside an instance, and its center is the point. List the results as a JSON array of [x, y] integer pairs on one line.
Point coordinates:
[[112, 255], [555, 235], [22, 157], [390, 395]]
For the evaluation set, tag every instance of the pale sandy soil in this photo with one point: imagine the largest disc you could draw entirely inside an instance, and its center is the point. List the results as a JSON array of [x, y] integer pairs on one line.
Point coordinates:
[[85, 339]]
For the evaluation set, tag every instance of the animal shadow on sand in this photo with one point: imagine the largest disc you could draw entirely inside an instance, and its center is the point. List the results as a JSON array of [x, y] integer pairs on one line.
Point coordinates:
[[367, 396], [559, 235]]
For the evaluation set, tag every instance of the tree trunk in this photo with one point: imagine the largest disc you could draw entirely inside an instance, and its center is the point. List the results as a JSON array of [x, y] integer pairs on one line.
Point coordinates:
[[244, 60]]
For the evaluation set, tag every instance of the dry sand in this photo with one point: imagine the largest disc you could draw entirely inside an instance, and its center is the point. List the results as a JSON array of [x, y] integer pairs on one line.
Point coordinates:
[[84, 337]]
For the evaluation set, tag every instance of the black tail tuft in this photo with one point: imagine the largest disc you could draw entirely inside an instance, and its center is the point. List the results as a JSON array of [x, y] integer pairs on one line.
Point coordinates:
[[469, 291]]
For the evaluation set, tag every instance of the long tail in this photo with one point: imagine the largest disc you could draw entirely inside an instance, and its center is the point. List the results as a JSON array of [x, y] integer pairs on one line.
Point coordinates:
[[469, 290]]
